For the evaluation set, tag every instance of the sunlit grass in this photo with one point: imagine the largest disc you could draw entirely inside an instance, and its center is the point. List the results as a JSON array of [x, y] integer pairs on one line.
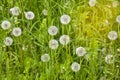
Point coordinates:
[[88, 28]]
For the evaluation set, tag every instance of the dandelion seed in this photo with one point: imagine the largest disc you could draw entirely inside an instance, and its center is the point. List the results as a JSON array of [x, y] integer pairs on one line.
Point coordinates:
[[92, 3], [109, 59], [112, 35], [80, 51], [53, 44], [15, 11], [45, 12], [5, 25], [45, 57], [8, 41], [16, 31], [106, 22], [52, 30], [65, 19], [118, 19], [29, 15], [63, 70], [64, 39], [75, 67], [115, 4]]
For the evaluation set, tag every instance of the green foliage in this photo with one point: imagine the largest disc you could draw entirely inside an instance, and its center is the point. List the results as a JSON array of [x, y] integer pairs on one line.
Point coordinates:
[[88, 28]]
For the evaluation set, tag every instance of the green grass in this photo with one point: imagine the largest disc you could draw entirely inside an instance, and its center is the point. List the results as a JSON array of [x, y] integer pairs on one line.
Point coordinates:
[[87, 28]]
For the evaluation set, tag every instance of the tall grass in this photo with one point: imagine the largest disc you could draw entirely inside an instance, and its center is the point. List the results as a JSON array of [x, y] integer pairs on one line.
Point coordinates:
[[88, 28]]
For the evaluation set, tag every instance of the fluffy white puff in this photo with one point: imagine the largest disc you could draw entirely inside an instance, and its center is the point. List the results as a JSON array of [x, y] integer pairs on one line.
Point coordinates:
[[64, 39], [8, 41], [5, 25], [53, 44], [65, 19], [75, 66], [45, 57], [16, 31], [29, 15]]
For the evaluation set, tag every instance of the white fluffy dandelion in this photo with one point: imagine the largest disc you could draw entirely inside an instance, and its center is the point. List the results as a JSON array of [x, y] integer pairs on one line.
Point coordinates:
[[65, 19], [8, 41], [118, 19], [80, 51], [75, 66], [45, 12], [64, 39], [109, 59], [29, 15], [53, 44], [52, 30], [15, 11], [92, 3], [115, 4], [5, 25], [45, 57], [112, 35], [16, 31]]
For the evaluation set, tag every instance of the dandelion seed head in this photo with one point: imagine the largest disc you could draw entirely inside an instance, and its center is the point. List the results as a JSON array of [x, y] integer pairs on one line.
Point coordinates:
[[109, 59], [115, 4], [80, 51], [5, 25], [29, 15], [52, 30], [16, 31], [45, 12], [53, 44], [92, 3], [8, 41], [112, 35], [45, 58], [64, 39], [75, 66], [15, 11], [118, 19], [65, 19]]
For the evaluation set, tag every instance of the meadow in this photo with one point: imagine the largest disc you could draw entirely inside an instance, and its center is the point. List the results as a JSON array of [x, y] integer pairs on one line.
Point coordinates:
[[59, 39]]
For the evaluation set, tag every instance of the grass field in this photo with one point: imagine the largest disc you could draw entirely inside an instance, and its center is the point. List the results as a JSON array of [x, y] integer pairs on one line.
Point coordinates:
[[88, 41]]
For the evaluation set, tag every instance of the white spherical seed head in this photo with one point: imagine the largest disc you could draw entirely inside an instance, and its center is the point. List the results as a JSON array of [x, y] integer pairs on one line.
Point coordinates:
[[109, 59], [75, 67], [112, 35], [5, 25], [15, 11], [45, 12], [80, 51], [65, 19], [17, 31], [52, 30], [92, 3], [53, 44], [29, 15], [8, 41], [115, 4], [64, 39], [45, 57], [118, 19]]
